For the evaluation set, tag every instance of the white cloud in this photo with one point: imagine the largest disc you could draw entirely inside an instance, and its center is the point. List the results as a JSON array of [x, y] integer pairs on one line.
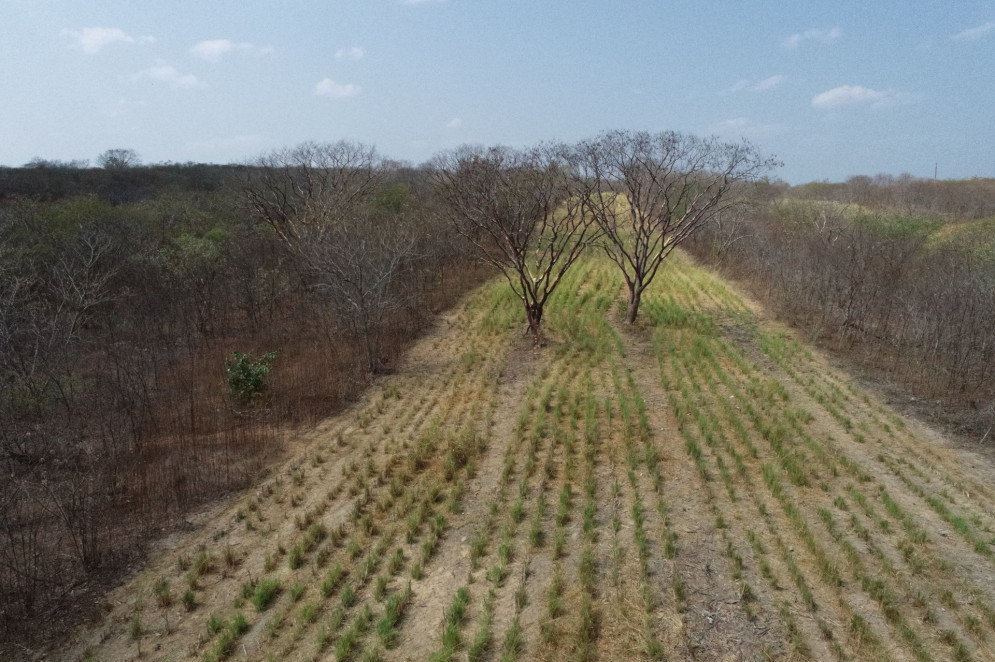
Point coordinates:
[[454, 123], [815, 34], [213, 50], [329, 88], [164, 73], [849, 95], [734, 124], [354, 53], [93, 40], [974, 33], [744, 127], [768, 83]]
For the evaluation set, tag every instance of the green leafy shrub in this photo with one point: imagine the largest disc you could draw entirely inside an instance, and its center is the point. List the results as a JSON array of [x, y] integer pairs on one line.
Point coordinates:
[[246, 376]]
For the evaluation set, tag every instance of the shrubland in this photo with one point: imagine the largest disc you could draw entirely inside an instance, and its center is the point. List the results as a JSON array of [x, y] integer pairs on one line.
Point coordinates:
[[123, 293], [893, 274]]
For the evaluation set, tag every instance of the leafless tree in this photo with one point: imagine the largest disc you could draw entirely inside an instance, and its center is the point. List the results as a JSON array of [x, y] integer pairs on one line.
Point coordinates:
[[26, 571], [515, 206], [320, 201], [82, 276], [119, 159], [650, 192], [356, 266], [304, 191]]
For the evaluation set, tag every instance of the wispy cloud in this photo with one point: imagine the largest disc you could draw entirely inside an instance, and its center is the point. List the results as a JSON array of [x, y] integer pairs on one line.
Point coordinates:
[[744, 127], [213, 50], [852, 95], [94, 40], [972, 34], [733, 125], [329, 88], [815, 34], [768, 83], [454, 123], [354, 53], [165, 73]]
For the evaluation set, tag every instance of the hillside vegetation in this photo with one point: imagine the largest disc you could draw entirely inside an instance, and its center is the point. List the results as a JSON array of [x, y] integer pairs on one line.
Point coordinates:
[[122, 294], [700, 485], [909, 296]]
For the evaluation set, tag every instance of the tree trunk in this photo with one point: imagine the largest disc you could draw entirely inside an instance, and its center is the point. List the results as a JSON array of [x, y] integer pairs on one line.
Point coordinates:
[[371, 344], [635, 297], [371, 352], [534, 314]]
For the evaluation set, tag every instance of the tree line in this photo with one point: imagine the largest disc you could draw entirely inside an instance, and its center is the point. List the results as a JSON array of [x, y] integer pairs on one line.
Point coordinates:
[[951, 199]]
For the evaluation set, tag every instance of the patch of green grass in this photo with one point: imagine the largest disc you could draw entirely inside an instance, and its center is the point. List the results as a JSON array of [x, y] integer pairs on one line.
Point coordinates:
[[482, 638], [393, 612], [163, 597], [265, 593]]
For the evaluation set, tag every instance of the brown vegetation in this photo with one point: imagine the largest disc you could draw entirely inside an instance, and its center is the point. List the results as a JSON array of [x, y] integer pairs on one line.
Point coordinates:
[[116, 315], [911, 297]]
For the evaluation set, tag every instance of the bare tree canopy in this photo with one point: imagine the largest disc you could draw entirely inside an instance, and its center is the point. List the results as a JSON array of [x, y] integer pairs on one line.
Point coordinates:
[[650, 192], [356, 267], [119, 159], [303, 191], [516, 208], [321, 200]]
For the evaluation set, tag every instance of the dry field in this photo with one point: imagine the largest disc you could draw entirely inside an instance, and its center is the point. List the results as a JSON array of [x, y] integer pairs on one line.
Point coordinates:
[[699, 487]]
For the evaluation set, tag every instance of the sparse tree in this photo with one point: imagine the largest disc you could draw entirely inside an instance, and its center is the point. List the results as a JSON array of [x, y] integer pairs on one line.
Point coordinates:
[[650, 192], [357, 266], [304, 192], [516, 208], [119, 159], [82, 276], [321, 201]]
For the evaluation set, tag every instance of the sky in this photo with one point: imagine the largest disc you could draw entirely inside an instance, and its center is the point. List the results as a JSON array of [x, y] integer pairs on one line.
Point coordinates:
[[832, 89]]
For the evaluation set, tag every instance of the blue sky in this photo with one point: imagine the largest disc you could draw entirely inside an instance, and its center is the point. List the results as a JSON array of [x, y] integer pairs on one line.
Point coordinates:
[[831, 89]]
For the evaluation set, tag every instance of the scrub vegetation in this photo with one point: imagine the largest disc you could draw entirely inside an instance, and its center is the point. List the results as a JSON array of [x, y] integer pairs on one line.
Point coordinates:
[[896, 275]]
